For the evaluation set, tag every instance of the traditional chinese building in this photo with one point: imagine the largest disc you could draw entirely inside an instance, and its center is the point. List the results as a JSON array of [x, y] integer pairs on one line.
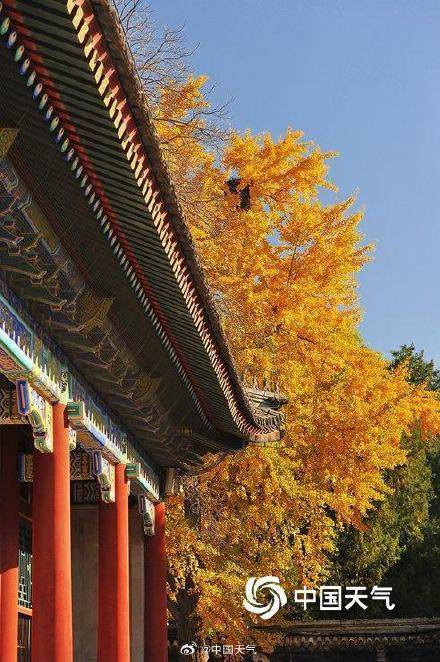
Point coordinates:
[[384, 640], [115, 373]]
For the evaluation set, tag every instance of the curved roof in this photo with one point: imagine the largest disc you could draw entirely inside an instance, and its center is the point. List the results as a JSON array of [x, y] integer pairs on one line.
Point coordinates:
[[358, 635], [78, 65]]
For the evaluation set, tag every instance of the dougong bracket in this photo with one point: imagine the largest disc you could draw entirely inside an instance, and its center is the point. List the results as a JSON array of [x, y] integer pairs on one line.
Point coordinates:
[[146, 510], [38, 413], [105, 473]]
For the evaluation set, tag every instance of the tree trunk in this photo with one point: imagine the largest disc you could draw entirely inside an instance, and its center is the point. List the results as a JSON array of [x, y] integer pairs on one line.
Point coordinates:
[[187, 622]]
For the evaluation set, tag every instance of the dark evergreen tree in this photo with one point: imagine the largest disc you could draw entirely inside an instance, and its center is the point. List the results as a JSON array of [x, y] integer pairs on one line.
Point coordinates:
[[400, 543]]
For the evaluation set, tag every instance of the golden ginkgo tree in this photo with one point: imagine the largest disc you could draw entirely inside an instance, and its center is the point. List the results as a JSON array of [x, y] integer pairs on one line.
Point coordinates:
[[282, 265]]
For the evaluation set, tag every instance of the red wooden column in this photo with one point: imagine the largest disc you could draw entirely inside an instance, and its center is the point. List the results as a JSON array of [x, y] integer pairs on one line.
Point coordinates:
[[52, 637], [106, 582], [42, 558], [114, 596], [62, 541], [9, 504], [156, 629]]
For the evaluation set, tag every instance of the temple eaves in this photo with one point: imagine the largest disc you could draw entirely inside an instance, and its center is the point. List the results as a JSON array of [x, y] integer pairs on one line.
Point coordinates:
[[85, 121]]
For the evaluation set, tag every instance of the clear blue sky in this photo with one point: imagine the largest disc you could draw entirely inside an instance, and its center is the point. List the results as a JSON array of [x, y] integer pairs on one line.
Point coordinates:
[[361, 77]]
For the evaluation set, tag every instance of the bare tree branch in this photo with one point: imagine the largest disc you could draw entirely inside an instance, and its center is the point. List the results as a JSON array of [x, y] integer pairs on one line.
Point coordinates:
[[164, 64]]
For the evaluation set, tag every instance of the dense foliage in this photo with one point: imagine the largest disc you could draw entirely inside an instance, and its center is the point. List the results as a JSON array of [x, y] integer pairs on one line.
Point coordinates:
[[399, 543], [283, 267]]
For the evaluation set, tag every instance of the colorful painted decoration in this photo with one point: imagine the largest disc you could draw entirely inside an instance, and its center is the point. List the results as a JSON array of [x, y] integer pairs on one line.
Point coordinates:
[[72, 438], [38, 413], [94, 428], [24, 355], [142, 478], [23, 397], [133, 471], [25, 467], [146, 510], [8, 406], [78, 314], [85, 492], [80, 466], [105, 473]]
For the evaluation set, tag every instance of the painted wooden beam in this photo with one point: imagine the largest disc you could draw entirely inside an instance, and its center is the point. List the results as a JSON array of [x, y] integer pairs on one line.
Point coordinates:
[[43, 378]]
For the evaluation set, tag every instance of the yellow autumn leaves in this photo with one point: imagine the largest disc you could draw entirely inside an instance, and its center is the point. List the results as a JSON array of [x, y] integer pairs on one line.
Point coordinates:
[[284, 273]]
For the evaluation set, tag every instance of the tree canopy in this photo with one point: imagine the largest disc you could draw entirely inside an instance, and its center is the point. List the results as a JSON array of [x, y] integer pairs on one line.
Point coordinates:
[[283, 270], [399, 543], [283, 266]]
